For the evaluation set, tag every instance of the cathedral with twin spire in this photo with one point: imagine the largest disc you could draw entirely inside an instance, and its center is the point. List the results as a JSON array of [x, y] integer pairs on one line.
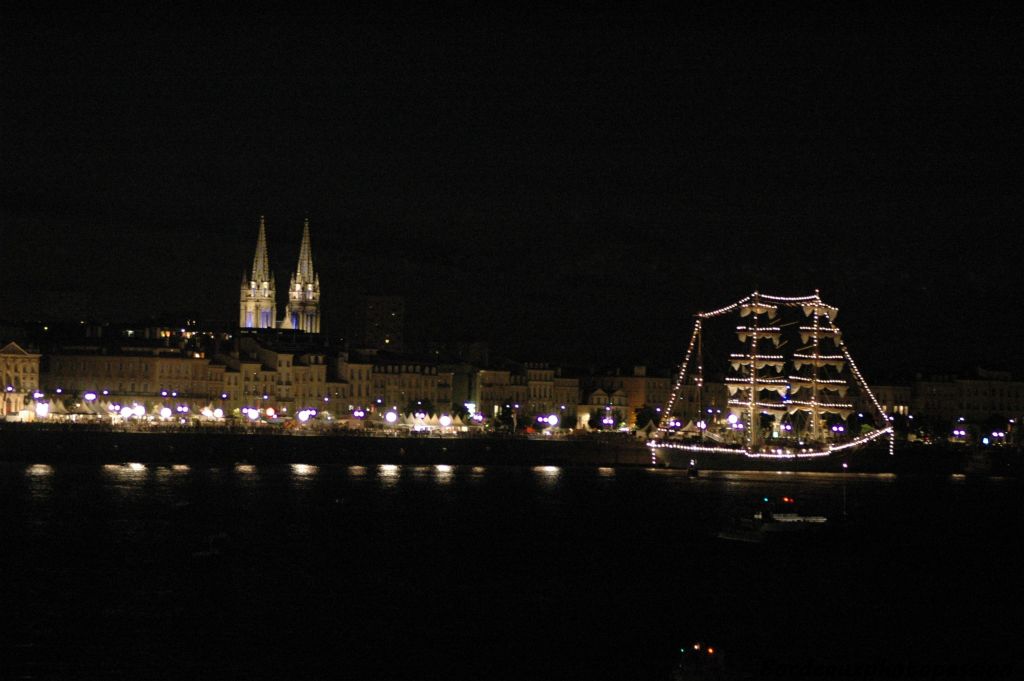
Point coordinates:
[[257, 307]]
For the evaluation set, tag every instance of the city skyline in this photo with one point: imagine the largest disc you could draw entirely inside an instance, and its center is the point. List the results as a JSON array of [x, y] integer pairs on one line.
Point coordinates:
[[561, 184]]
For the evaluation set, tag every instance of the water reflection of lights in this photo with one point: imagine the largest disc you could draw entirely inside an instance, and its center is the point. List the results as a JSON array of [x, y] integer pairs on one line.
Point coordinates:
[[303, 469], [548, 476], [444, 473], [606, 472], [39, 469], [180, 468], [245, 468], [357, 471], [479, 470], [388, 474], [126, 471]]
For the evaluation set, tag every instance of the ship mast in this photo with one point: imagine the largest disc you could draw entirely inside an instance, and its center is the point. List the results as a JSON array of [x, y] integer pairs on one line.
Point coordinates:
[[700, 384], [815, 414], [753, 439]]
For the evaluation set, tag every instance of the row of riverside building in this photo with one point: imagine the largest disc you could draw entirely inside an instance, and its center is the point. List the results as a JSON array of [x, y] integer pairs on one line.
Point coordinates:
[[260, 369], [290, 372]]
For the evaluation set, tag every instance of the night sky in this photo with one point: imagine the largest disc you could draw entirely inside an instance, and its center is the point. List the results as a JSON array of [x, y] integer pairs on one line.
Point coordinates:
[[567, 186]]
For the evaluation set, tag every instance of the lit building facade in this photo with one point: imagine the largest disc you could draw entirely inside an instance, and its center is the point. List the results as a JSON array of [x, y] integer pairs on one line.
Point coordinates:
[[257, 307], [133, 377], [20, 372], [303, 311]]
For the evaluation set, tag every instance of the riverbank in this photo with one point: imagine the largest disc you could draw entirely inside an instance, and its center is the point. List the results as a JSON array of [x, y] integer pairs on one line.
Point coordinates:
[[36, 444]]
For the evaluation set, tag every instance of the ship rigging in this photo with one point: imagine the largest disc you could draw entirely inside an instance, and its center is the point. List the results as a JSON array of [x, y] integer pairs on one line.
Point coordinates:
[[790, 383]]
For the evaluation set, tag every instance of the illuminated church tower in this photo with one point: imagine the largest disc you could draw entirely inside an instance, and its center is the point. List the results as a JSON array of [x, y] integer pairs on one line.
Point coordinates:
[[303, 311], [257, 307]]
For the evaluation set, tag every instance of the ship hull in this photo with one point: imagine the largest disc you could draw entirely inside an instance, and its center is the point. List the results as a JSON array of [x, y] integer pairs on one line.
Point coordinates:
[[873, 458], [906, 459], [676, 458]]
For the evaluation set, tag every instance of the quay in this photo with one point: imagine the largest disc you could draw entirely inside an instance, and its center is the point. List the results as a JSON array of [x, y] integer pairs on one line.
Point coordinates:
[[31, 443]]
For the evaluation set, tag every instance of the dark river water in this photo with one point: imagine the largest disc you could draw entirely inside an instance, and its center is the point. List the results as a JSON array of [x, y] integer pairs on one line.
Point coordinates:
[[388, 572]]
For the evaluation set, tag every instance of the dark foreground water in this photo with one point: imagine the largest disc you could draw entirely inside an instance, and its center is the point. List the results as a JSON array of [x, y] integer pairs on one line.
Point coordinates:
[[385, 572]]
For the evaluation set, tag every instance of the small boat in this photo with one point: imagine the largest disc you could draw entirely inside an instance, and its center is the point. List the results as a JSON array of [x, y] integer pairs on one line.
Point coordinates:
[[692, 471], [767, 523], [697, 661]]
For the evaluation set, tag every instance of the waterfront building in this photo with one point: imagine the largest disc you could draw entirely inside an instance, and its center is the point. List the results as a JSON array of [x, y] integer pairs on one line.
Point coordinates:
[[895, 399], [19, 370], [399, 382], [355, 374], [599, 404], [530, 390], [540, 389], [493, 389], [989, 399], [386, 381], [145, 375], [287, 378], [461, 376], [938, 403], [641, 388], [567, 398]]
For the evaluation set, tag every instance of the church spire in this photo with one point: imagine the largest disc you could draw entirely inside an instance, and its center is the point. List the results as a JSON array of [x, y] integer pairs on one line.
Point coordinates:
[[261, 261], [303, 311], [304, 271], [257, 308]]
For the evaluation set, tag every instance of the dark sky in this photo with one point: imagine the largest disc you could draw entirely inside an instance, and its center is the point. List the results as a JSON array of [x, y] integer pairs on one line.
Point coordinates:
[[565, 185]]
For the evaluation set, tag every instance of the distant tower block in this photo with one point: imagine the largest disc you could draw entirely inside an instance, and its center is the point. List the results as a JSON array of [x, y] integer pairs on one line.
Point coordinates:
[[257, 307], [303, 311]]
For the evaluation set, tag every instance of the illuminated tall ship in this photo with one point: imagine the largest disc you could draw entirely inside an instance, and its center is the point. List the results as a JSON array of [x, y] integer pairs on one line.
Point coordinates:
[[789, 392]]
